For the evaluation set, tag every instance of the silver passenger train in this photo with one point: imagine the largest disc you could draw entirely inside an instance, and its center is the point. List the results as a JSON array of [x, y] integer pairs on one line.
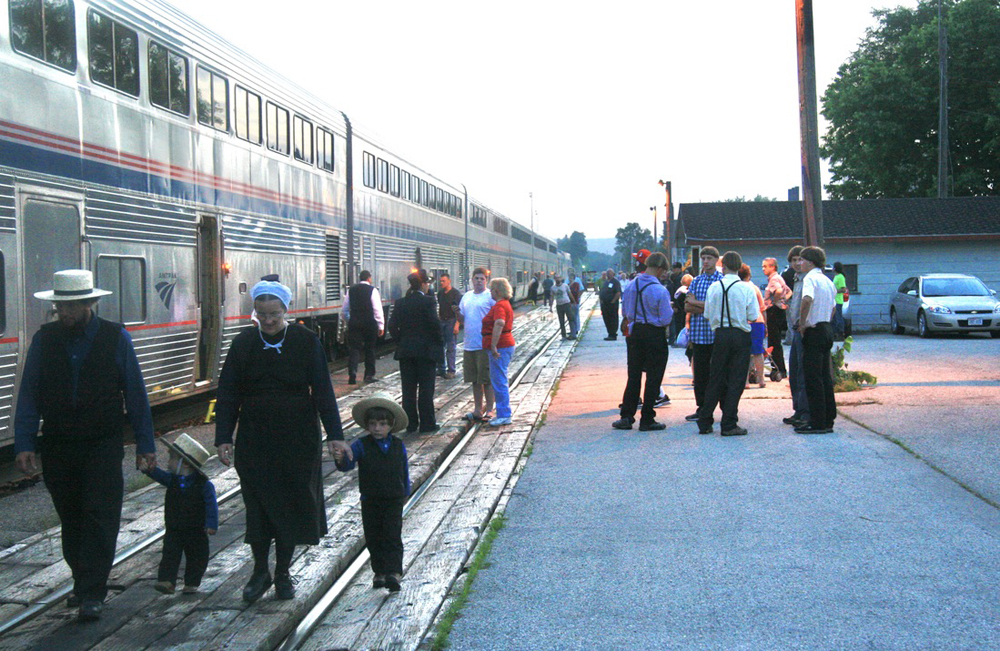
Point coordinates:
[[137, 144]]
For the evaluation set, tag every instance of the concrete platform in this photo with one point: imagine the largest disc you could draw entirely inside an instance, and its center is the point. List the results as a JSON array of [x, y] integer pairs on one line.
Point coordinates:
[[672, 540]]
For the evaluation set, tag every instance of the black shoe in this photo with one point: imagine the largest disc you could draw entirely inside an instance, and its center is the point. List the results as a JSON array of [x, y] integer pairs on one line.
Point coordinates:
[[284, 586], [693, 418], [704, 429], [809, 429], [662, 402], [736, 431], [378, 581], [90, 610], [791, 420], [256, 586], [370, 379], [392, 582], [622, 423], [72, 601], [651, 426], [352, 380], [571, 337], [411, 430], [611, 339]]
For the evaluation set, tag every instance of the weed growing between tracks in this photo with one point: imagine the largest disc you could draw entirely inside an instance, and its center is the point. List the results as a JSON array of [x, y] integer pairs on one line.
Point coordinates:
[[478, 562]]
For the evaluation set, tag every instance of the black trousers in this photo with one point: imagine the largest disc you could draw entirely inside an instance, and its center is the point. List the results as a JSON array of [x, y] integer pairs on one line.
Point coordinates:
[[817, 373], [417, 374], [86, 485], [727, 377], [193, 545], [609, 311], [563, 312], [382, 521], [702, 363], [647, 352], [775, 324], [361, 341]]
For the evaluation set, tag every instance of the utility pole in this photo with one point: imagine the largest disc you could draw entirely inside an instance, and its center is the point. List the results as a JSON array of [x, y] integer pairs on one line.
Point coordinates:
[[942, 174], [668, 223], [653, 208], [531, 197], [812, 186]]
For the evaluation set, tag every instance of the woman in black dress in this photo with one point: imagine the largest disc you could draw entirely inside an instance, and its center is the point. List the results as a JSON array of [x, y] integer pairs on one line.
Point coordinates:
[[274, 383], [415, 326]]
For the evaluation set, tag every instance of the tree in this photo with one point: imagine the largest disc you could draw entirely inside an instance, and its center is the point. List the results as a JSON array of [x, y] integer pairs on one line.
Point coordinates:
[[576, 245], [883, 105], [630, 239], [742, 199], [596, 261]]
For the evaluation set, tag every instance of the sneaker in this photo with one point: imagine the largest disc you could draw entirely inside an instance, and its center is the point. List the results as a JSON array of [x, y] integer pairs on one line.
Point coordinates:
[[692, 418], [190, 589], [663, 401], [256, 586], [651, 426], [791, 420], [392, 582], [450, 375], [809, 429], [495, 422], [284, 586], [90, 610], [166, 587], [736, 431], [622, 423]]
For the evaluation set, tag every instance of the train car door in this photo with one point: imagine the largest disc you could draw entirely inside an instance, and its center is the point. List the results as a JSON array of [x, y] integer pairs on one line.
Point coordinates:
[[210, 297], [51, 228]]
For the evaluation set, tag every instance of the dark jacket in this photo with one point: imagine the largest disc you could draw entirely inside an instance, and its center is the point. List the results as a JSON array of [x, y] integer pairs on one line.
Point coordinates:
[[415, 326]]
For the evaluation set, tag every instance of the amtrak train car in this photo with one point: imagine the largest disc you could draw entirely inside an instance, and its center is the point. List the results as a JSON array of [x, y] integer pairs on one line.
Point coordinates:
[[137, 144]]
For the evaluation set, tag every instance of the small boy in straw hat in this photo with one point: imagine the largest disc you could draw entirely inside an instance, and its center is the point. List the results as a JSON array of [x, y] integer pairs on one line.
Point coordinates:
[[191, 513], [384, 482]]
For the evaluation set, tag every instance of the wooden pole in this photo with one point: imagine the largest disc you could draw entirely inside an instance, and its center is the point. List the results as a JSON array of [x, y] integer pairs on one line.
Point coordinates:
[[812, 186]]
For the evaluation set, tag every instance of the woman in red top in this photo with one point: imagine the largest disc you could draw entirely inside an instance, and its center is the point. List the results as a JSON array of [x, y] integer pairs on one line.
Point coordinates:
[[498, 340]]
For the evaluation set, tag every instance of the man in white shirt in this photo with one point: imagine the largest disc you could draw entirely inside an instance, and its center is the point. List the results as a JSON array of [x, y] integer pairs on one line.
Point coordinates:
[[365, 324], [475, 360], [815, 316], [730, 306]]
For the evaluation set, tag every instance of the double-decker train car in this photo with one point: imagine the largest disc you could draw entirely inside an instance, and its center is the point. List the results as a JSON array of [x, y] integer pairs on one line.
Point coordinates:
[[137, 144]]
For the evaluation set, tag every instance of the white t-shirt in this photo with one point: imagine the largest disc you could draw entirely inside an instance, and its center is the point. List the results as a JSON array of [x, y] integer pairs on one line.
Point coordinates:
[[824, 295], [474, 307]]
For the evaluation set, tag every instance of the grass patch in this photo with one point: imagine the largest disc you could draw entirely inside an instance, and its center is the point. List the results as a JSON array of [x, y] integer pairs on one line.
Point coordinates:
[[543, 419], [478, 563], [555, 388], [528, 451], [845, 380]]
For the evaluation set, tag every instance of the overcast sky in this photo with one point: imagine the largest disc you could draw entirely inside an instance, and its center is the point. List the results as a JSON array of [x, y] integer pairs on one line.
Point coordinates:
[[586, 105]]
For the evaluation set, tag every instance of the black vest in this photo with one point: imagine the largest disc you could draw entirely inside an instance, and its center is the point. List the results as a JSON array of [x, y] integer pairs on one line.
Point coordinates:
[[381, 475], [98, 412], [362, 314], [185, 509]]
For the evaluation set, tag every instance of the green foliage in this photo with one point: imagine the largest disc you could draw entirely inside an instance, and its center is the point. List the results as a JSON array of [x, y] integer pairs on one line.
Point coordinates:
[[596, 261], [883, 105], [847, 380], [576, 245], [630, 239], [742, 199]]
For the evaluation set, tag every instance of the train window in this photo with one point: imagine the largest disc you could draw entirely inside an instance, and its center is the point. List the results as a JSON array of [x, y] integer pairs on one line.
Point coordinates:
[[277, 129], [114, 54], [324, 149], [168, 79], [383, 175], [440, 200], [458, 207], [302, 135], [45, 30], [248, 116], [394, 181], [369, 170], [126, 279], [404, 184], [213, 99], [423, 193], [415, 189]]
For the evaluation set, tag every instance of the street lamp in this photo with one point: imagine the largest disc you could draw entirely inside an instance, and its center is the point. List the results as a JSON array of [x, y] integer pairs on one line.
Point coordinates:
[[669, 217]]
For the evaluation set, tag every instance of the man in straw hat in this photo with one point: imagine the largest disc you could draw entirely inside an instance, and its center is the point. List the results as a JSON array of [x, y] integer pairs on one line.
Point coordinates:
[[191, 513], [80, 376], [384, 482]]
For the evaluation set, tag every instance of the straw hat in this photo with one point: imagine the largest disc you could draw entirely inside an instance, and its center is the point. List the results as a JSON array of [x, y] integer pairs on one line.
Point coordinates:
[[190, 450], [385, 401], [71, 285]]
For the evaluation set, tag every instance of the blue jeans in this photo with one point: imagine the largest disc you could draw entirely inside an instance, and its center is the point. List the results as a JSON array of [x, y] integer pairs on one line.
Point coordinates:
[[796, 381], [838, 322], [448, 334], [574, 319], [498, 378]]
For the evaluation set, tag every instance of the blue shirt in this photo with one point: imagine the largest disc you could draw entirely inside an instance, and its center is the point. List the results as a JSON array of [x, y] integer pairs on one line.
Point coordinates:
[[185, 481], [358, 448], [655, 309], [136, 401], [701, 331]]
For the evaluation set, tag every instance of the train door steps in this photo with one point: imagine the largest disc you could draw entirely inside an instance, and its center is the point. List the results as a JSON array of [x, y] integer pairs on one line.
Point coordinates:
[[439, 534]]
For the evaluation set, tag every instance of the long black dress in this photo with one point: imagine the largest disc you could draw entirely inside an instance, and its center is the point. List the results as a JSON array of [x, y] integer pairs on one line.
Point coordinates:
[[275, 396]]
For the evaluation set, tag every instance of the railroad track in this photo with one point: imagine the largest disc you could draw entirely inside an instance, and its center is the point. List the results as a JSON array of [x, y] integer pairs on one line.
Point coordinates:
[[453, 393]]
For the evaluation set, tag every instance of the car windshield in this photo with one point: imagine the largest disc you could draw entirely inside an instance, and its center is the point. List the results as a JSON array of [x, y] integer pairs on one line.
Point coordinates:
[[954, 287]]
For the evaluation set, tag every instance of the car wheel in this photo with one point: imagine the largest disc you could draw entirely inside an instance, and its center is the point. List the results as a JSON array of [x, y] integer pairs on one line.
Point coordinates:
[[894, 326], [995, 334], [922, 328]]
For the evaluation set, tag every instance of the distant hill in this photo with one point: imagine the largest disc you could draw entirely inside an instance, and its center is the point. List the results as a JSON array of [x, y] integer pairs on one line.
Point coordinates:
[[601, 245]]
